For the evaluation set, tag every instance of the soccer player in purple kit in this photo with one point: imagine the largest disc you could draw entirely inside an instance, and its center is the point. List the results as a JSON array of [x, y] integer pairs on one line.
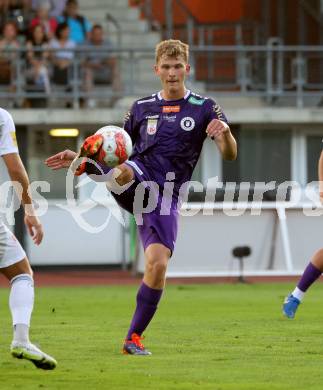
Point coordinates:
[[313, 270], [167, 130]]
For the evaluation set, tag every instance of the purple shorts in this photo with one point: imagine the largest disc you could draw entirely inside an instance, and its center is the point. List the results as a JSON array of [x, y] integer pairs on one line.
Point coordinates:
[[153, 227]]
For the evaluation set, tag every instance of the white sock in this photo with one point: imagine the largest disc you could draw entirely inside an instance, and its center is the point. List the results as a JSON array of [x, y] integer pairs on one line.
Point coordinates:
[[21, 302], [21, 333], [299, 294]]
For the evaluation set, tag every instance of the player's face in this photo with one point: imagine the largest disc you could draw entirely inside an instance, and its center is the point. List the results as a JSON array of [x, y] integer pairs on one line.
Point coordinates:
[[172, 73]]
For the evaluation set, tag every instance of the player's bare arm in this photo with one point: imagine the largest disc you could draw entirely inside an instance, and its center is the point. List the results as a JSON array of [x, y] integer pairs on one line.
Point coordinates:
[[320, 174], [65, 158], [61, 160], [18, 174], [221, 133]]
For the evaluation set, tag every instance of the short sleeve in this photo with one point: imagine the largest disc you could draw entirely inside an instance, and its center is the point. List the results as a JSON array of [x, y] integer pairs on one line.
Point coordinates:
[[8, 141], [214, 111]]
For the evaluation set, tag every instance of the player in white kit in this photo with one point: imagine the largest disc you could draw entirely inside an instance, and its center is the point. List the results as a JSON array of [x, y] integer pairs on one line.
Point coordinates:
[[14, 264]]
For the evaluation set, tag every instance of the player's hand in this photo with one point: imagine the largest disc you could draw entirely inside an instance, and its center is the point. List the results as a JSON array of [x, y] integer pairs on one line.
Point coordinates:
[[61, 160], [216, 128], [34, 228]]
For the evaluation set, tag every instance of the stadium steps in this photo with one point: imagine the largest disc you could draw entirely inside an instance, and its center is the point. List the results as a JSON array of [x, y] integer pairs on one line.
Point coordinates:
[[127, 25], [134, 31], [134, 34], [86, 4], [117, 11]]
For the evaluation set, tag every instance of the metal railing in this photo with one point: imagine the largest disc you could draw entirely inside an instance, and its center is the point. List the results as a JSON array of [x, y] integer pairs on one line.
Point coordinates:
[[270, 72]]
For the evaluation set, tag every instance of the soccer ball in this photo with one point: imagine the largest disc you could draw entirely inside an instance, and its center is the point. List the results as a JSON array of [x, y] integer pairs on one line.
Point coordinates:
[[116, 147]]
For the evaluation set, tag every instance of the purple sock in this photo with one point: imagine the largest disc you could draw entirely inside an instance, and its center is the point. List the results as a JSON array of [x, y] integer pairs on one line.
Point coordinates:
[[147, 301], [309, 276]]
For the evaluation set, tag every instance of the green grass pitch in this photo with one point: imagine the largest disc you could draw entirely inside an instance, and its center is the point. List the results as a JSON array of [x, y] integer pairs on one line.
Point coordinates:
[[209, 337]]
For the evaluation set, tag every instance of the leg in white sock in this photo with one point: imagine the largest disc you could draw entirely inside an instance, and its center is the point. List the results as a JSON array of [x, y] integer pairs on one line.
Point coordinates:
[[21, 302]]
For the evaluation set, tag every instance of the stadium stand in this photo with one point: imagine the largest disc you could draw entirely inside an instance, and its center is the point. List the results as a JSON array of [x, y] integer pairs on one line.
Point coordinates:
[[266, 74]]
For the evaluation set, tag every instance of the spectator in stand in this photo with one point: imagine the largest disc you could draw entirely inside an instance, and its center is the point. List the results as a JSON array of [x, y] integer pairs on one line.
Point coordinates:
[[42, 18], [8, 58], [100, 67], [3, 13], [57, 7], [20, 12], [79, 26], [62, 57], [37, 61]]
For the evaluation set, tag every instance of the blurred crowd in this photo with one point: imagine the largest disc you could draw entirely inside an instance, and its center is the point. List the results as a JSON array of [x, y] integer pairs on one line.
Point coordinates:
[[49, 31]]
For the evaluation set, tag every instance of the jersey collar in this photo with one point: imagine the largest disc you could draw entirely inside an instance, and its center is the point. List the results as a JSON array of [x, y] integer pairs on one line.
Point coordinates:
[[187, 94]]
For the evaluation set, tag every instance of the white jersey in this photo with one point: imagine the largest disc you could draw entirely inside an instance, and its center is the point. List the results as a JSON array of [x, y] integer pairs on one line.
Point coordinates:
[[10, 249], [8, 142]]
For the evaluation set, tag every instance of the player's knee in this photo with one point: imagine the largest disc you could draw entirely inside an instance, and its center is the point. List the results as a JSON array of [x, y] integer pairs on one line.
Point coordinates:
[[30, 273], [27, 268], [156, 266], [20, 268], [318, 258], [23, 277], [160, 267]]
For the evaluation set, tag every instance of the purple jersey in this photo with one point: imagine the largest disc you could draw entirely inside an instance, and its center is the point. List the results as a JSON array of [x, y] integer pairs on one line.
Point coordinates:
[[168, 135]]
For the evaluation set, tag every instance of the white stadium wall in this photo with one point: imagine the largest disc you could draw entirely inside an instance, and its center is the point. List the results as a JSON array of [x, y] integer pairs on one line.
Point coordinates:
[[205, 243]]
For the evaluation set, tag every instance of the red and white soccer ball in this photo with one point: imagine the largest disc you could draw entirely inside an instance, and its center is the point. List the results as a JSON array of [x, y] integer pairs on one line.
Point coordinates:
[[116, 147]]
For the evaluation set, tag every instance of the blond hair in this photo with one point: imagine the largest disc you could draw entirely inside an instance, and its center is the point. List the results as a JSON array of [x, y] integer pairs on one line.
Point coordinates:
[[172, 48]]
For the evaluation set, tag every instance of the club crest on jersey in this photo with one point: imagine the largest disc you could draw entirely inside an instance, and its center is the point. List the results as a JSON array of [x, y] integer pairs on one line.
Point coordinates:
[[187, 123], [151, 126]]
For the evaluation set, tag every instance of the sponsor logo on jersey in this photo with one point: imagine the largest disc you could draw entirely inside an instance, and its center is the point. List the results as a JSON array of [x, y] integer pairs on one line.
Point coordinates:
[[218, 110], [13, 137], [169, 109], [187, 123], [197, 102], [152, 116], [169, 118], [151, 126]]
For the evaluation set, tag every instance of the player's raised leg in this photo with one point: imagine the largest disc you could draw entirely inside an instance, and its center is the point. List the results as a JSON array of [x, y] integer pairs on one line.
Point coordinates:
[[311, 273], [148, 297], [21, 302]]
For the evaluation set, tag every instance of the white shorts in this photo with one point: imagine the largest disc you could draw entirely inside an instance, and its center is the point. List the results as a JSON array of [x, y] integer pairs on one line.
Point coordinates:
[[11, 251]]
